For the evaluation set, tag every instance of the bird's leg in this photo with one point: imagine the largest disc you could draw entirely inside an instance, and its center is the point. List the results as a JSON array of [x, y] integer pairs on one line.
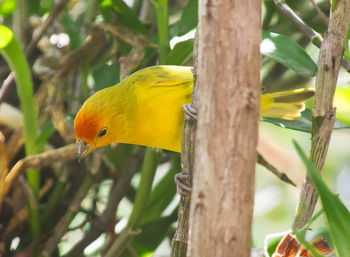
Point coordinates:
[[190, 112], [182, 188]]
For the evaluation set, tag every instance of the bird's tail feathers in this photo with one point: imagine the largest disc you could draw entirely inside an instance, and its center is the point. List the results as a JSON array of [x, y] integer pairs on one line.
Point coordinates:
[[285, 105]]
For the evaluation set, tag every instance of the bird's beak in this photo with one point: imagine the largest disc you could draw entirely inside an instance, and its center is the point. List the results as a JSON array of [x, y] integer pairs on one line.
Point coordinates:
[[83, 149]]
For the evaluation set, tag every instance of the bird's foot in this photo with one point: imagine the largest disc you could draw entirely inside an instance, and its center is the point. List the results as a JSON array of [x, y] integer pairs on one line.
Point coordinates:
[[182, 181], [190, 112]]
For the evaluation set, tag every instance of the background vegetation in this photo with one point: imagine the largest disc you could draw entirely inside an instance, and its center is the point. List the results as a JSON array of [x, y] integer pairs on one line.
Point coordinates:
[[123, 197]]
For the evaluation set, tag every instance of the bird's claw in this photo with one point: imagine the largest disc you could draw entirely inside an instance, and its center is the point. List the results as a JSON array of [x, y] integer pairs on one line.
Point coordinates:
[[181, 185], [190, 112]]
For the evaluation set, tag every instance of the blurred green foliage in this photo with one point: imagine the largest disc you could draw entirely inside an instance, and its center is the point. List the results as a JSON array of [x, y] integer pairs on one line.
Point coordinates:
[[338, 216], [7, 7], [103, 208]]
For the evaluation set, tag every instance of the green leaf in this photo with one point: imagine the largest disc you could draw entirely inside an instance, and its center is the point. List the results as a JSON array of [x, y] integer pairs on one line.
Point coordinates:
[[153, 233], [44, 135], [284, 50], [7, 7], [125, 15], [6, 36], [14, 55], [304, 123], [337, 214], [72, 29], [189, 18], [119, 155], [272, 244], [334, 4], [181, 53], [105, 76], [12, 52], [34, 7], [163, 193], [307, 245], [149, 167]]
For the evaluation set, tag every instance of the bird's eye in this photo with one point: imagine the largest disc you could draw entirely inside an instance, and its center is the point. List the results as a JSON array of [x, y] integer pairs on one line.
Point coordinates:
[[102, 132]]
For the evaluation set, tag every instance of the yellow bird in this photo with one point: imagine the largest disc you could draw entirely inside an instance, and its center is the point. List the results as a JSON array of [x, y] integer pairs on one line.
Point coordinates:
[[145, 109]]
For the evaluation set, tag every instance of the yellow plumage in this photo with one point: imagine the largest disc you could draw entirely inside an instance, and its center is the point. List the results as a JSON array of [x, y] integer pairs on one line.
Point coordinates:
[[145, 109]]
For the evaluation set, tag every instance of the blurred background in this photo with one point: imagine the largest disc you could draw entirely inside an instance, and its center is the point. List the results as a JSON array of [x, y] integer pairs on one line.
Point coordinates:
[[77, 47]]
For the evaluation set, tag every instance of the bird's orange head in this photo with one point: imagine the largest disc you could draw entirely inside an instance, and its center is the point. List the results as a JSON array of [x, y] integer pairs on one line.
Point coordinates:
[[91, 130]]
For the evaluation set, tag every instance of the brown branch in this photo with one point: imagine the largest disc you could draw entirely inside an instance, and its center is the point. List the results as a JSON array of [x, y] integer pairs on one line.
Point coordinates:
[[42, 29], [32, 44], [92, 45], [137, 41], [117, 193], [3, 167], [15, 143], [180, 239], [329, 64], [62, 226], [61, 124], [282, 176], [315, 37], [38, 161], [131, 61], [321, 14], [27, 192], [179, 242], [126, 35], [6, 85], [227, 128], [21, 216]]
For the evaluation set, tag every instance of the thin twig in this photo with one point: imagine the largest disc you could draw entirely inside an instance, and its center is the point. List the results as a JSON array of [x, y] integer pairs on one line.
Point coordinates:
[[15, 143], [137, 41], [21, 216], [117, 193], [91, 46], [62, 226], [6, 85], [38, 161], [3, 167], [321, 14], [315, 37], [282, 176], [127, 35], [56, 107], [323, 116], [42, 29], [32, 44], [27, 192]]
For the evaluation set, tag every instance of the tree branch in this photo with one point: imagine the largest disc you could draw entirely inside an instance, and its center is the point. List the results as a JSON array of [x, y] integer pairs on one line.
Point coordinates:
[[117, 193], [180, 239], [315, 37], [62, 226], [329, 64], [32, 44], [38, 161], [227, 128]]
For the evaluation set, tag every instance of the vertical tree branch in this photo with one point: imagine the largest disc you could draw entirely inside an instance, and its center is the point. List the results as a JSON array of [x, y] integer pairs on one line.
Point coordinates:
[[180, 240], [227, 128], [329, 63]]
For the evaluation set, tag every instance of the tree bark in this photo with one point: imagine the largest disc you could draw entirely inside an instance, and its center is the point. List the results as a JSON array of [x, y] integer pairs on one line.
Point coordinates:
[[227, 128], [323, 114]]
